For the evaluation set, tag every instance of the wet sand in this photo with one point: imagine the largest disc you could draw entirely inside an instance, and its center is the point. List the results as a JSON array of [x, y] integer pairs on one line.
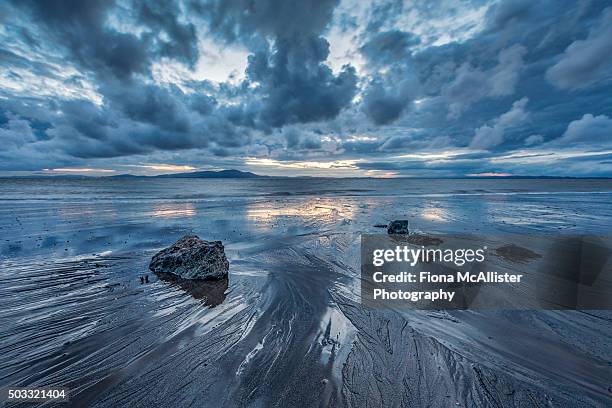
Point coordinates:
[[287, 330]]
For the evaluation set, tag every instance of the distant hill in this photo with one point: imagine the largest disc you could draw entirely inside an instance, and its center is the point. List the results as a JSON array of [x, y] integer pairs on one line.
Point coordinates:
[[199, 174], [124, 176], [213, 174], [237, 174]]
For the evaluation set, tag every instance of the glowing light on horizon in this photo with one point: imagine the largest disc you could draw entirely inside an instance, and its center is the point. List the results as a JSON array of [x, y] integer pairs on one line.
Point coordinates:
[[381, 174], [489, 174], [338, 164], [435, 155], [164, 167], [78, 170]]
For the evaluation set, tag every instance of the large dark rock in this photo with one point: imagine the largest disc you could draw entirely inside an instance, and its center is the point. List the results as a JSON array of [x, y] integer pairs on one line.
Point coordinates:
[[192, 258], [398, 227]]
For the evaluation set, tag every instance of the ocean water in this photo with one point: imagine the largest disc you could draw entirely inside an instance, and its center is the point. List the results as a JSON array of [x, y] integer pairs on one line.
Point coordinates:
[[286, 328]]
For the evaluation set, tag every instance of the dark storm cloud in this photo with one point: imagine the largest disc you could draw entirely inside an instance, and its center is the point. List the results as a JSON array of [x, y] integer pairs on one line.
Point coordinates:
[[480, 79], [388, 95], [136, 116], [311, 144], [161, 107], [290, 74], [388, 47], [295, 139], [386, 99], [84, 130], [587, 61], [248, 20], [472, 84], [80, 27], [136, 120], [202, 103], [292, 137], [390, 92], [164, 16], [83, 80], [296, 86], [15, 132]]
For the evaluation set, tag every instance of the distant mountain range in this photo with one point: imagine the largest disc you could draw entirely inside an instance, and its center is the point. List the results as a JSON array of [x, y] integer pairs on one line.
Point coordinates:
[[247, 174], [238, 174], [200, 174]]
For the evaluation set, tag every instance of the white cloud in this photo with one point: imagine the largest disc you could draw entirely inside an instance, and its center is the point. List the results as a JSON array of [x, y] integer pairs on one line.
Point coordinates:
[[595, 130], [443, 24], [216, 63], [534, 139], [67, 85], [338, 164], [487, 136], [79, 170], [163, 167]]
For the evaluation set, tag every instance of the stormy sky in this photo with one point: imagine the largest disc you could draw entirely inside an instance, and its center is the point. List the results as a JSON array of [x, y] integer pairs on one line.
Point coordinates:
[[316, 87]]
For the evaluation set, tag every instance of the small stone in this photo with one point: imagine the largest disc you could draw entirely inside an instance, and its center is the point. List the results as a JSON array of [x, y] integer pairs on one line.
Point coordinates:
[[398, 227]]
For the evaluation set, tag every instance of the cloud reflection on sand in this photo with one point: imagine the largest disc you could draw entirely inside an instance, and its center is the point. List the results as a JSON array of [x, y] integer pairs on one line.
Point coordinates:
[[174, 210], [312, 209], [438, 214]]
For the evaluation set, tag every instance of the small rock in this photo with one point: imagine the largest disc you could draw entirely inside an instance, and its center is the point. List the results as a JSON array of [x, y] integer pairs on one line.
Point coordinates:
[[192, 258], [398, 227]]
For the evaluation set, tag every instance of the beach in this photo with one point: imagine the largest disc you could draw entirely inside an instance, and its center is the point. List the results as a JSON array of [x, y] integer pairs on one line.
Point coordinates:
[[287, 327]]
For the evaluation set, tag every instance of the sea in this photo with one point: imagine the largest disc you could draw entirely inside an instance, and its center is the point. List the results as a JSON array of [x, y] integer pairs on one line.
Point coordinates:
[[287, 327]]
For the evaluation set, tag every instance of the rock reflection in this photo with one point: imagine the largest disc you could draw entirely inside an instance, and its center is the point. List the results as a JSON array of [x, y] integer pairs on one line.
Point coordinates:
[[211, 292]]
